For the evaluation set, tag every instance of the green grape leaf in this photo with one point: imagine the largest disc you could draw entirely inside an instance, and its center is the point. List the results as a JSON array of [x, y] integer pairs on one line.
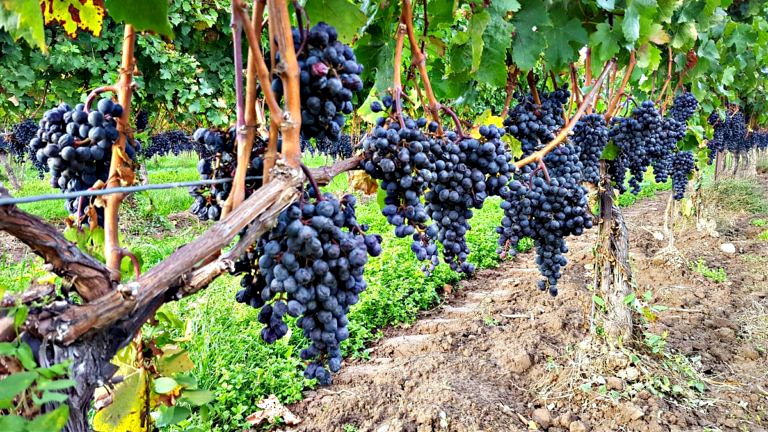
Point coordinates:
[[53, 421], [514, 145], [630, 25], [477, 26], [565, 38], [605, 43], [493, 67], [607, 4], [504, 6], [440, 12], [376, 51], [685, 36], [22, 19], [648, 57], [530, 42], [143, 15], [73, 15], [342, 14], [610, 152]]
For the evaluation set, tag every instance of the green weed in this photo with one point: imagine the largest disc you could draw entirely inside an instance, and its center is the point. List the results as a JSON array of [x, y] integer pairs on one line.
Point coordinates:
[[716, 275]]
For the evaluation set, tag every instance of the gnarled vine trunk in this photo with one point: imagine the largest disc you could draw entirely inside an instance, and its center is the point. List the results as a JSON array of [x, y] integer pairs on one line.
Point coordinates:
[[612, 272], [9, 171]]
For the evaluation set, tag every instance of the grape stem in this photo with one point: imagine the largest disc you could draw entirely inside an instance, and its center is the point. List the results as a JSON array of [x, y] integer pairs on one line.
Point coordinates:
[[532, 87], [613, 103], [419, 59], [588, 68], [512, 77], [669, 75], [456, 120], [136, 267], [301, 14], [539, 155], [246, 122], [575, 90], [95, 93], [312, 181], [397, 90], [261, 67]]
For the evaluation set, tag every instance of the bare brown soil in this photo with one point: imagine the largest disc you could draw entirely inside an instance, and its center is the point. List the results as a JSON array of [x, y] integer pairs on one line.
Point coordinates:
[[498, 355]]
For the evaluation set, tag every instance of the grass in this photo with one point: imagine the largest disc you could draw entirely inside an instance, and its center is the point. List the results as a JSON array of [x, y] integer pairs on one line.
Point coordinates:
[[763, 236], [649, 188], [758, 222], [737, 196], [715, 275]]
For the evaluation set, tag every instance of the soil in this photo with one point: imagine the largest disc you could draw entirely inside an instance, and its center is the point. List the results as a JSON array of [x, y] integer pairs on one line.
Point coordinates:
[[498, 355]]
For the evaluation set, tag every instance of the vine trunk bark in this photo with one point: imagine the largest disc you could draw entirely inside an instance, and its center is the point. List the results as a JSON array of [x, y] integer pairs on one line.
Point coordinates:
[[9, 171], [612, 272]]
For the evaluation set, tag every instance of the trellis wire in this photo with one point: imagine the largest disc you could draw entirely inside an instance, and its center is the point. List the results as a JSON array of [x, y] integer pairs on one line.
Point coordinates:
[[125, 189]]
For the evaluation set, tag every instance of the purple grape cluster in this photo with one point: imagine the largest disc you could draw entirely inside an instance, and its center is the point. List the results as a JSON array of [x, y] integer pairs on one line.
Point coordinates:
[[330, 75], [310, 267]]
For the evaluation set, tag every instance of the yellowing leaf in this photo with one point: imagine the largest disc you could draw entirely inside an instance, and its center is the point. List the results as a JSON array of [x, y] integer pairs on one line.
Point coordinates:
[[127, 412], [485, 119], [658, 35], [72, 15], [174, 360]]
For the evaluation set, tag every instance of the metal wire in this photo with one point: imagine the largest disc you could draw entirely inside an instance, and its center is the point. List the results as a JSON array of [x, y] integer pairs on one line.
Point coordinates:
[[110, 191]]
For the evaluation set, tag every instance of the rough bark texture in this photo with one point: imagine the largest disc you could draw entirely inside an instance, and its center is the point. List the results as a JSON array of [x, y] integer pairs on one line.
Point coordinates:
[[89, 277], [9, 171], [612, 272]]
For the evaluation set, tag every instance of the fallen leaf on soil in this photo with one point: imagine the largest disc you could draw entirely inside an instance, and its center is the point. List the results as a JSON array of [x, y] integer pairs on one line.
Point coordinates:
[[447, 288], [272, 410]]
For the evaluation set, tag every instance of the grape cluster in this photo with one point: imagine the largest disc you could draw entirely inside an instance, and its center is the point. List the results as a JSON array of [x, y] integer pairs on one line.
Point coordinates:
[[330, 75], [218, 160], [669, 134], [142, 120], [77, 145], [402, 158], [21, 134], [171, 142], [535, 125], [639, 139], [683, 107], [10, 146], [717, 143], [468, 170], [547, 205], [590, 136], [310, 266], [339, 148], [735, 135], [760, 139], [682, 166]]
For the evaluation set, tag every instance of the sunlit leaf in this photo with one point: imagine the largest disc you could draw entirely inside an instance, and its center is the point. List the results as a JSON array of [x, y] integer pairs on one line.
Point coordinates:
[[74, 15]]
